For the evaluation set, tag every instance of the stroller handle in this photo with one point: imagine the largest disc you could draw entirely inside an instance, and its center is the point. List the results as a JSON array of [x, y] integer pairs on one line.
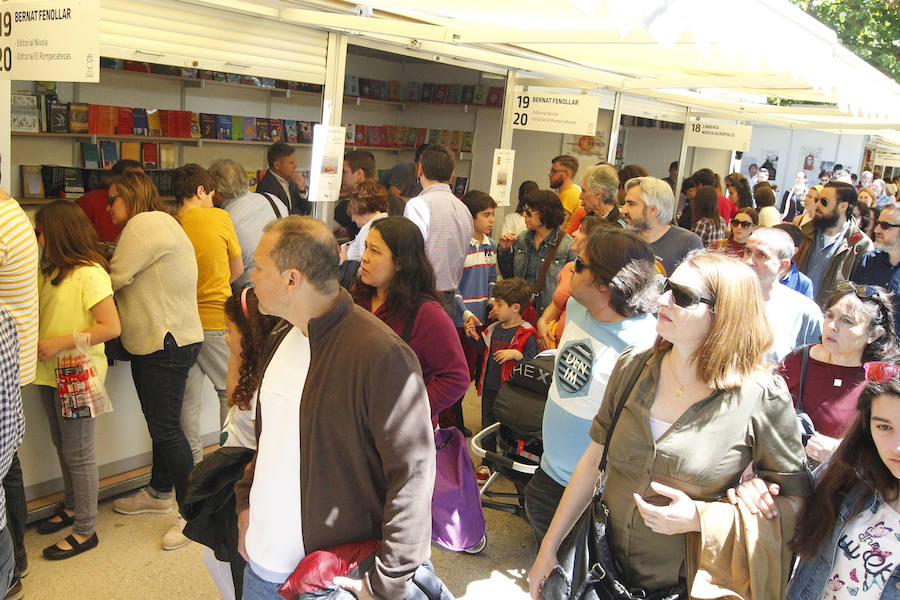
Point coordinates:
[[498, 459]]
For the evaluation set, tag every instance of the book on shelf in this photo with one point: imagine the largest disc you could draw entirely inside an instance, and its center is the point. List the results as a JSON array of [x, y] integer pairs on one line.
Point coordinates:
[[59, 118], [290, 131], [444, 140], [208, 126], [427, 92], [360, 135], [167, 158], [25, 115], [223, 127], [402, 132], [383, 92], [480, 95], [276, 130], [54, 179], [468, 94], [139, 124], [421, 136], [90, 154], [154, 127], [495, 96], [74, 181], [262, 130], [108, 115], [150, 155], [467, 141], [351, 85], [131, 151], [237, 127], [390, 135], [459, 186], [109, 154], [252, 180], [79, 116], [412, 134], [414, 91], [372, 135], [32, 182], [454, 93], [45, 87], [455, 140], [434, 136], [349, 134], [440, 93], [93, 118], [249, 128], [304, 132], [167, 126], [394, 91], [124, 126], [365, 89]]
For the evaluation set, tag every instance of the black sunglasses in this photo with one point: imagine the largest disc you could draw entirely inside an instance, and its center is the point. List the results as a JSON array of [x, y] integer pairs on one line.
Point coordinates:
[[580, 265], [527, 212], [865, 292], [112, 198], [886, 225], [684, 296], [822, 200], [738, 223]]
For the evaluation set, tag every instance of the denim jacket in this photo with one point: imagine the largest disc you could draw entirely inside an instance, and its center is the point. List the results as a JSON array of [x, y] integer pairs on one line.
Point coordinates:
[[811, 575], [514, 262]]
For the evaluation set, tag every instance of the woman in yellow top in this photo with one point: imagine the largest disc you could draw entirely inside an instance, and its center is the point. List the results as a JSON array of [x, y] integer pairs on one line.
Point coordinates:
[[75, 297], [704, 407]]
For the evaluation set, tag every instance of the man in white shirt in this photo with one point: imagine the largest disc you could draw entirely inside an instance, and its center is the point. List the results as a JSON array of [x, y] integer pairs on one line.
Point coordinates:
[[795, 319], [444, 220]]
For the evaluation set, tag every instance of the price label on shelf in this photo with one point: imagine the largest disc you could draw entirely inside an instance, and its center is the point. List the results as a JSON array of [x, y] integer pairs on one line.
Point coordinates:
[[50, 41], [575, 114], [719, 136]]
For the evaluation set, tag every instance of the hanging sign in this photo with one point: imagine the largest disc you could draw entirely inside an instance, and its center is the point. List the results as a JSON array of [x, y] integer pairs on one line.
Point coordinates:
[[576, 114], [327, 162], [719, 136], [501, 175], [50, 41]]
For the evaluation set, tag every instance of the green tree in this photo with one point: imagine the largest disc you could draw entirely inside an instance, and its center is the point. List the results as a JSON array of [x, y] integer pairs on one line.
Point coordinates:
[[868, 28]]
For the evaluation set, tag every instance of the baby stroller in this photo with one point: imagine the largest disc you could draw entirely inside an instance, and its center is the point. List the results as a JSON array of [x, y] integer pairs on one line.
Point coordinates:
[[519, 408]]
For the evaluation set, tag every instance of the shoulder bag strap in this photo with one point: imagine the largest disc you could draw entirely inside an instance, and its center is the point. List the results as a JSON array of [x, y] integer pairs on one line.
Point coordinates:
[[642, 363], [803, 365], [268, 197], [542, 276]]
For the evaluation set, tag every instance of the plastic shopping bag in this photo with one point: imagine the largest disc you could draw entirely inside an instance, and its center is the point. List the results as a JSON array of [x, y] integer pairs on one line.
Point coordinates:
[[81, 389]]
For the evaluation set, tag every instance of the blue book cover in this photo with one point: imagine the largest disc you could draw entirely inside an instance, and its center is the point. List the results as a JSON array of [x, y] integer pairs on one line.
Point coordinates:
[[223, 127], [109, 154], [139, 122]]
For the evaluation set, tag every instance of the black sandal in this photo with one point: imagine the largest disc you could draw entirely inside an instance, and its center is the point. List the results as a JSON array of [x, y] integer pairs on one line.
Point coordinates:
[[48, 526], [54, 552]]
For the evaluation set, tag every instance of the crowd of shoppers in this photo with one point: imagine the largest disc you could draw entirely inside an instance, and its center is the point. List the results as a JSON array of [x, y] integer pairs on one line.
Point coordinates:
[[697, 337]]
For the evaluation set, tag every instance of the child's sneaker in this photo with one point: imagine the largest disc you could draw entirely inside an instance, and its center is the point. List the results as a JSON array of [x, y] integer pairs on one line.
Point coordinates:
[[482, 474]]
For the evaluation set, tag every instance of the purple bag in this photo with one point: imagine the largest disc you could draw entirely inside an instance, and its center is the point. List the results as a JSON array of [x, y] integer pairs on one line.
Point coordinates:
[[457, 522]]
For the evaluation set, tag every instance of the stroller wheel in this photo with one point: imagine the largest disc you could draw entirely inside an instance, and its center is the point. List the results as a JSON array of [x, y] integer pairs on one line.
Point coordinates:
[[477, 548]]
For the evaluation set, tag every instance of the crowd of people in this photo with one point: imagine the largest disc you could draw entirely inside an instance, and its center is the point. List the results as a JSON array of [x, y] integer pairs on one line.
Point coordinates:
[[729, 361]]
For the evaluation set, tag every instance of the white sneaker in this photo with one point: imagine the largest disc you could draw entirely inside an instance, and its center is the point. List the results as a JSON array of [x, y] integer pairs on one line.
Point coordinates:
[[142, 502], [175, 538]]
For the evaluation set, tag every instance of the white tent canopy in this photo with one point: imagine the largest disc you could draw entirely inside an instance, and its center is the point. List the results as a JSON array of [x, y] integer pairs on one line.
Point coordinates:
[[722, 57]]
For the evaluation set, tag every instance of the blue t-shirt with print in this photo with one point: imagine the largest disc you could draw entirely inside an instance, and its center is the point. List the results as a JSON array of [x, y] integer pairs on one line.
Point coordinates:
[[587, 354]]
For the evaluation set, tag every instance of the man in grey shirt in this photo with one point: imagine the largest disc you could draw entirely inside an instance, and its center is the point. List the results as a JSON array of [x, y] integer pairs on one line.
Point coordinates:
[[250, 212], [648, 209]]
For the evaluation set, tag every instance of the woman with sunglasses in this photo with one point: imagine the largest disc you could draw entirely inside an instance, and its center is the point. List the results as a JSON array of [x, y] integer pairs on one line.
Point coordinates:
[[76, 297], [847, 534], [858, 327], [743, 224], [524, 255], [154, 276], [809, 205], [705, 382], [709, 224]]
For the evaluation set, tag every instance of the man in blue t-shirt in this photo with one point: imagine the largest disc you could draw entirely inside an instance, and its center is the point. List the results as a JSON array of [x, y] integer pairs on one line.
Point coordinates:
[[613, 292]]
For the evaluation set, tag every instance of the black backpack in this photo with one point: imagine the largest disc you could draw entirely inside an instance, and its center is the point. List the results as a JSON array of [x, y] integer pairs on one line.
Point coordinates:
[[520, 402]]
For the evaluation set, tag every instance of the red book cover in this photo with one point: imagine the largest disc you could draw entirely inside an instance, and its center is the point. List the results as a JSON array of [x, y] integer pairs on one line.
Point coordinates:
[[107, 123], [455, 140], [150, 155], [402, 132], [93, 118], [421, 136], [495, 97], [445, 138], [390, 135], [440, 93], [276, 130], [360, 135], [372, 135], [262, 130], [165, 128], [123, 122]]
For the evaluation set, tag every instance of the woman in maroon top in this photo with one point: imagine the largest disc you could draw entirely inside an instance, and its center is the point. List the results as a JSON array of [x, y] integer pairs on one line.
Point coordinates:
[[396, 283], [858, 328], [743, 224]]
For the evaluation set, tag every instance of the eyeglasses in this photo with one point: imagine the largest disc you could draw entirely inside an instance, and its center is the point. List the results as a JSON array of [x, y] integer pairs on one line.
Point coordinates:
[[684, 296], [528, 212], [865, 292], [558, 170], [112, 198], [886, 225], [738, 223], [822, 200], [880, 371], [580, 265]]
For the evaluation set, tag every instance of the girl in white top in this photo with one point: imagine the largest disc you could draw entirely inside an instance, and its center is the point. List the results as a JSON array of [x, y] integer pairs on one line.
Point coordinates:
[[247, 330], [76, 297]]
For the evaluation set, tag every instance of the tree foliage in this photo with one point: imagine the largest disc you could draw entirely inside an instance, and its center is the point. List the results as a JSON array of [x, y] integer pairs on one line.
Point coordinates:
[[868, 28]]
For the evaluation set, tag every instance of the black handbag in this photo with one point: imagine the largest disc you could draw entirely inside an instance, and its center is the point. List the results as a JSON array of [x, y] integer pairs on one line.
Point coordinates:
[[587, 569]]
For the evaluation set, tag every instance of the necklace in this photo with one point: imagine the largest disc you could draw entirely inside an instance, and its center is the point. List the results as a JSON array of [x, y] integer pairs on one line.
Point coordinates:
[[836, 381], [679, 391]]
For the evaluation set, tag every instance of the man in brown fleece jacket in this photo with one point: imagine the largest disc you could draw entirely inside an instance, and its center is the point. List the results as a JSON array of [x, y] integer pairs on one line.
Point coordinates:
[[365, 467]]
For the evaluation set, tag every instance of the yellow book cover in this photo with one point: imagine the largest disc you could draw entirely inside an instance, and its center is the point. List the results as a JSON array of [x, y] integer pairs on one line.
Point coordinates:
[[131, 150]]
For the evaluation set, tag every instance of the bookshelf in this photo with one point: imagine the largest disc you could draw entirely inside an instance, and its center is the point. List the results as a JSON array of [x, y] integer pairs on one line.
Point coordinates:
[[94, 137]]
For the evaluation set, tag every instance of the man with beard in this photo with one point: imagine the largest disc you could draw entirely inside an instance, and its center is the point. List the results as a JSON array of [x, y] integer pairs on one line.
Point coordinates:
[[649, 204], [882, 265], [562, 171], [833, 244]]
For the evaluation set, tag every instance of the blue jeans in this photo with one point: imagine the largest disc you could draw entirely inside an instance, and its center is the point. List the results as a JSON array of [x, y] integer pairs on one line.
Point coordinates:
[[257, 588], [7, 559], [159, 379]]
